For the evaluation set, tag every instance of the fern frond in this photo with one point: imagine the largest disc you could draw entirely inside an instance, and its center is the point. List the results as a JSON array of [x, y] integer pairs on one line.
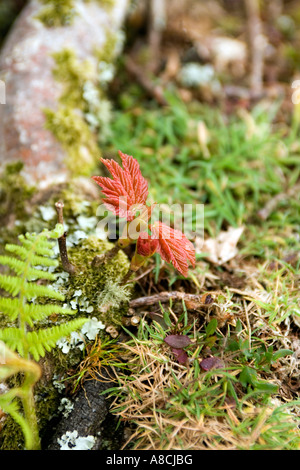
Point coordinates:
[[23, 253], [38, 312], [10, 307], [45, 339], [13, 286], [44, 248], [10, 284], [13, 338], [31, 312], [34, 250], [19, 267], [33, 290]]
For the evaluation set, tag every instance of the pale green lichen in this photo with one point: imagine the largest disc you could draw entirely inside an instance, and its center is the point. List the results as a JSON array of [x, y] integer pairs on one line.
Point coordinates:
[[71, 440]]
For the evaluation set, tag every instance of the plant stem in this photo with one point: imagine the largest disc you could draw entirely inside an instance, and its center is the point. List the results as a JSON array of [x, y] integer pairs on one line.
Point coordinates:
[[127, 277], [32, 441], [32, 375], [67, 266]]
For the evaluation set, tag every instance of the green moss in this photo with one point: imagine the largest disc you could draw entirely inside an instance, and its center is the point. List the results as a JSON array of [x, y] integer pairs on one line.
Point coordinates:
[[75, 136], [73, 74], [93, 282], [68, 124], [14, 192], [11, 436], [57, 12], [15, 195], [106, 3], [106, 53]]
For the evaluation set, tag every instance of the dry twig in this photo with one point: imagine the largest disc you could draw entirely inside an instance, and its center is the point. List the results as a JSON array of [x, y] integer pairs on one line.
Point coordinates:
[[174, 295]]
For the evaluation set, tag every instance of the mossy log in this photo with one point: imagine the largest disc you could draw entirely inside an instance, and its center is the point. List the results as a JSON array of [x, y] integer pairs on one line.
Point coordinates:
[[26, 69]]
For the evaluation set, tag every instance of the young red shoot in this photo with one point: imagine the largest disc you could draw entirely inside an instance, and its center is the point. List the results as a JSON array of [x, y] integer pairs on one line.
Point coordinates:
[[125, 195]]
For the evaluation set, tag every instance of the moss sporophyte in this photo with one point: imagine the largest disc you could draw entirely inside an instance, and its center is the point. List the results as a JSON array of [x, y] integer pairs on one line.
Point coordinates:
[[125, 196]]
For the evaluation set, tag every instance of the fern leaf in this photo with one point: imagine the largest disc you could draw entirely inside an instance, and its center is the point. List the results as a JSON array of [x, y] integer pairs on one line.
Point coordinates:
[[23, 253], [13, 286], [45, 339], [10, 307], [33, 290], [34, 250], [13, 338], [38, 312], [31, 312], [10, 284], [19, 267], [57, 232], [44, 247]]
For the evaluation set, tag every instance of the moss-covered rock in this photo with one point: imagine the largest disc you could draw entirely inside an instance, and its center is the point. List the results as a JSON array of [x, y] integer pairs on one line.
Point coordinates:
[[93, 293], [97, 289]]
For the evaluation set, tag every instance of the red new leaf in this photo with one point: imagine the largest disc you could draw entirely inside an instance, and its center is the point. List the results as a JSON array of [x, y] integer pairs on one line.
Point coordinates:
[[174, 247], [146, 245], [127, 191]]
